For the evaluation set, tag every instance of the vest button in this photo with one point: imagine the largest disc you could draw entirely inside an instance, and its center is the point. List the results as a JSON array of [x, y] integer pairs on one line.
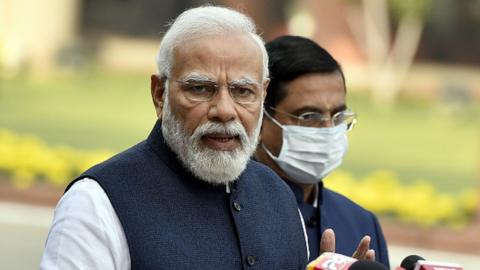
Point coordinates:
[[237, 206], [251, 260]]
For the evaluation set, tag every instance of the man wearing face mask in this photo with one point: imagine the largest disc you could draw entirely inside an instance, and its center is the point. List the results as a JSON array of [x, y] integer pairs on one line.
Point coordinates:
[[304, 138]]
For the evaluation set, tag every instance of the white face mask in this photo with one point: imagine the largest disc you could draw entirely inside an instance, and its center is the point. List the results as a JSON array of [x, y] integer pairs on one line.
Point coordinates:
[[309, 154]]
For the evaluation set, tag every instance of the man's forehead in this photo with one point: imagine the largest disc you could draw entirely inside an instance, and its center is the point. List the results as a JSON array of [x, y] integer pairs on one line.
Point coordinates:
[[235, 56], [218, 45]]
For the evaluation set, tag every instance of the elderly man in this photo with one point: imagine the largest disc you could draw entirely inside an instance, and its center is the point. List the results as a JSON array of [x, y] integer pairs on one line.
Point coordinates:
[[304, 138], [188, 197]]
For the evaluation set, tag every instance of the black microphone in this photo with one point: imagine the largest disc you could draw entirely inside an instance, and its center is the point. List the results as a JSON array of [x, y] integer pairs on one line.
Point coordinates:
[[367, 265], [409, 262], [415, 262]]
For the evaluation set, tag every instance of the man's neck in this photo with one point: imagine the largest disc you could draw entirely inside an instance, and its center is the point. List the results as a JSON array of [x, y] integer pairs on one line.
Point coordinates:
[[309, 194]]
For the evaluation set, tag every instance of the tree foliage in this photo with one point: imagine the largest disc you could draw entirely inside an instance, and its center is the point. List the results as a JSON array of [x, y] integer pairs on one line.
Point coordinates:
[[416, 8]]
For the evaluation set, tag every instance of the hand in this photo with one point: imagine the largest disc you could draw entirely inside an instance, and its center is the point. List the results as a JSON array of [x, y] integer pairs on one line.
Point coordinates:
[[327, 241], [363, 252], [327, 244]]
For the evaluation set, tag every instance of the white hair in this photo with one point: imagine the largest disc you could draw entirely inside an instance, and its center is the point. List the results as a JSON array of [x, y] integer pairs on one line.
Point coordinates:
[[199, 22]]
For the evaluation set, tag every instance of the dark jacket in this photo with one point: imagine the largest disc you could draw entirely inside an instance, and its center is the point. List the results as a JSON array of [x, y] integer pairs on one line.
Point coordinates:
[[174, 221], [349, 221]]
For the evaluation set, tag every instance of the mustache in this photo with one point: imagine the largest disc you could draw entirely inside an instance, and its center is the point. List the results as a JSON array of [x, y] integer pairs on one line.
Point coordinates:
[[233, 129]]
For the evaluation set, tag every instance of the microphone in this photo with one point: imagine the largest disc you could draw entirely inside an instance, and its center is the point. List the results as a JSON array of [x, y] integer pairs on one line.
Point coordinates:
[[367, 265], [331, 261], [335, 261], [409, 262], [415, 262]]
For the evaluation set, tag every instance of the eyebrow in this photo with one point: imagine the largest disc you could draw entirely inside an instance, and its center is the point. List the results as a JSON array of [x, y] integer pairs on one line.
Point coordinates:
[[244, 81], [196, 77], [316, 109]]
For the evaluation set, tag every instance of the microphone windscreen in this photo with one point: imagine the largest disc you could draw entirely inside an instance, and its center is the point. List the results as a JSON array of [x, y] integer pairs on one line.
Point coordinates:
[[329, 261], [367, 265], [409, 262]]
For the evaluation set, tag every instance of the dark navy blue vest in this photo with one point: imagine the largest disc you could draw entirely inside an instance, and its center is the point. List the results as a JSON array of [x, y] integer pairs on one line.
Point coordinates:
[[174, 221]]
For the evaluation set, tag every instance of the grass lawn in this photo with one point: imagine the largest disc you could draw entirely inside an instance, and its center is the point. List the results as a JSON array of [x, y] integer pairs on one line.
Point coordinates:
[[114, 110], [418, 142], [88, 111]]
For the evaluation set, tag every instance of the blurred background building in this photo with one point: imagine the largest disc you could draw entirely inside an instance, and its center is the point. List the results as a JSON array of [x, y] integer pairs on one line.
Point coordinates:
[[376, 41], [39, 35]]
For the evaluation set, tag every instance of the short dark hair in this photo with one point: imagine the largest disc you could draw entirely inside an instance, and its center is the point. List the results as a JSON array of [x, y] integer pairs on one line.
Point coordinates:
[[291, 57]]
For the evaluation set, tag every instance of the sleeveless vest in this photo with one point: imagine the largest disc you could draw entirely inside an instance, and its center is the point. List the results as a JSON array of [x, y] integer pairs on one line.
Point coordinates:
[[172, 220]]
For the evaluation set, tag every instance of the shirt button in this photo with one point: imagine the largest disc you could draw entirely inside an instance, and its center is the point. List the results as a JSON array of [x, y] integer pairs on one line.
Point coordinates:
[[312, 222], [237, 206], [251, 260]]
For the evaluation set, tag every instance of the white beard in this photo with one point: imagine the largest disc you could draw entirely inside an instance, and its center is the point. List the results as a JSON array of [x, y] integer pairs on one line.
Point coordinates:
[[207, 164]]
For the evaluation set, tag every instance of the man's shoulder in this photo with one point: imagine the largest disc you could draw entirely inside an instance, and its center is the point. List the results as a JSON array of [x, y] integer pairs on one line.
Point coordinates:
[[129, 157], [266, 177], [346, 210], [351, 220], [126, 162], [338, 201], [261, 170]]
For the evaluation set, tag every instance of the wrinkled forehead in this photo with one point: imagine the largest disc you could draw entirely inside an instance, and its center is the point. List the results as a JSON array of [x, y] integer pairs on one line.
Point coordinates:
[[220, 58]]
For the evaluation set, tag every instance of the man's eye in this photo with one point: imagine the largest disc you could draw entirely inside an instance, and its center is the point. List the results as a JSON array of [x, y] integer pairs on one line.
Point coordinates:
[[198, 89], [242, 92], [310, 116]]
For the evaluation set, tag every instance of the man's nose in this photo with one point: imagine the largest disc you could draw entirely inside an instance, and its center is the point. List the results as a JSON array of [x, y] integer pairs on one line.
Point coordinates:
[[222, 107], [326, 123]]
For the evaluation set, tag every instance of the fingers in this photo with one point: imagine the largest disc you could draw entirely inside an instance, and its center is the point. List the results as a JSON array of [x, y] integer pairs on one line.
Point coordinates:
[[362, 249], [327, 242], [370, 256]]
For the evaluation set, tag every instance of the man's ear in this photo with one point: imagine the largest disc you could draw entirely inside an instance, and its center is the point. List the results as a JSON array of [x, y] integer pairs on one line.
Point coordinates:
[[157, 88], [265, 86]]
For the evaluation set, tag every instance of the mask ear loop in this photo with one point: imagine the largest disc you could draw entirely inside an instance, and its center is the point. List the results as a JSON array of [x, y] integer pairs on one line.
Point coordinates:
[[268, 152], [273, 119], [262, 144]]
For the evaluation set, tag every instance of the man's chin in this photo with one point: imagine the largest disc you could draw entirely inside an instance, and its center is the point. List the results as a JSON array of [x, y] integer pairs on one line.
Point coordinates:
[[217, 167]]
